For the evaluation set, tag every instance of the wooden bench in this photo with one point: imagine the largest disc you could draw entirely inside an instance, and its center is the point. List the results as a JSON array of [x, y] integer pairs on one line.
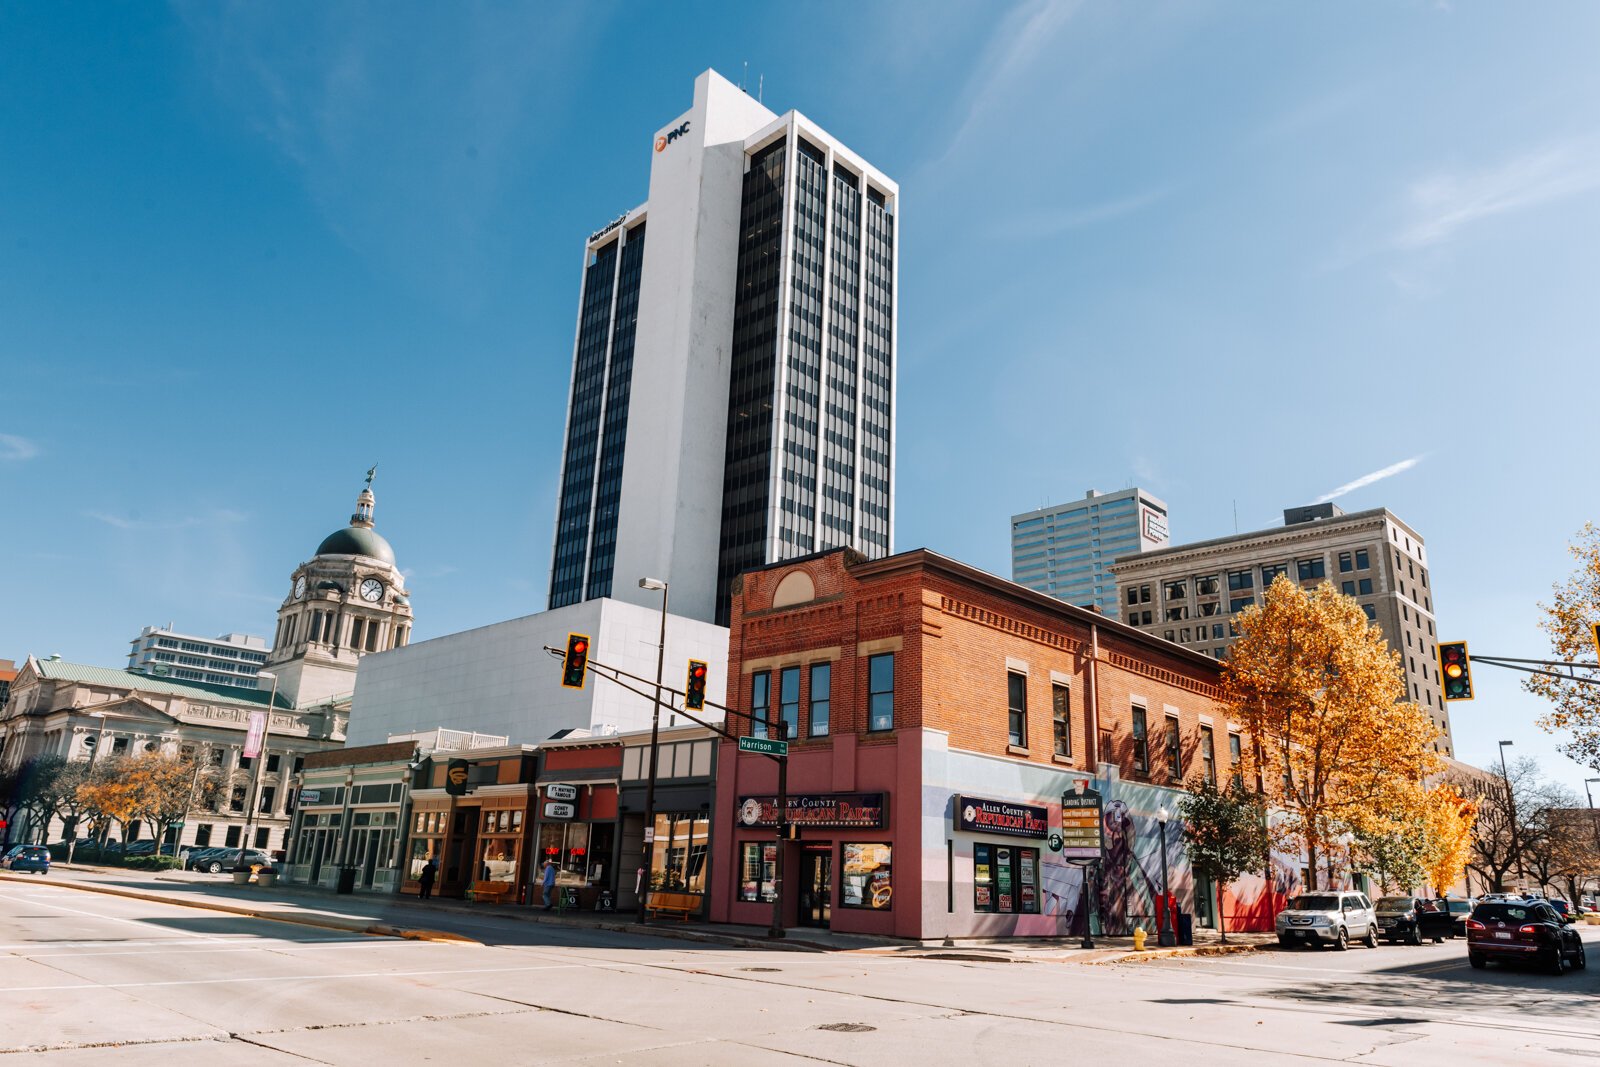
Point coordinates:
[[494, 892], [680, 904]]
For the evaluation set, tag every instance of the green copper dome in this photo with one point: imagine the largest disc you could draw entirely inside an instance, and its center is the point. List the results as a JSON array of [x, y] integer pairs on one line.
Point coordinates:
[[356, 541]]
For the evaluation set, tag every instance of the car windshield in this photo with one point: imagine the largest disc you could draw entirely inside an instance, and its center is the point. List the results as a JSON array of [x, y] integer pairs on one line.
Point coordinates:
[[1460, 907], [1396, 903], [1316, 902]]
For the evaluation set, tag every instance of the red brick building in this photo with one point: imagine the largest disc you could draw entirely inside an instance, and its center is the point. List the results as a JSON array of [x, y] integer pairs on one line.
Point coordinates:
[[937, 716]]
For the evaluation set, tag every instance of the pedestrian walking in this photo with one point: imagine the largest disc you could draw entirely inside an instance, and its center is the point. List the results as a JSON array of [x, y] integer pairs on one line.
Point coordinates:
[[549, 883], [430, 871]]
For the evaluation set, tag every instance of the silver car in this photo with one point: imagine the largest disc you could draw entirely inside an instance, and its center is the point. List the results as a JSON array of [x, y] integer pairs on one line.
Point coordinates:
[[1329, 918]]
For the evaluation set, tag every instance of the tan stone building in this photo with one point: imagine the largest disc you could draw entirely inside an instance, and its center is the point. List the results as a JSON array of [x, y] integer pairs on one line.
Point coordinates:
[[1191, 594]]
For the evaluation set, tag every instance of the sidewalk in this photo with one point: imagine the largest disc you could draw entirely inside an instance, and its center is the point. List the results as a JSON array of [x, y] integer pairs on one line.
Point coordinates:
[[394, 916]]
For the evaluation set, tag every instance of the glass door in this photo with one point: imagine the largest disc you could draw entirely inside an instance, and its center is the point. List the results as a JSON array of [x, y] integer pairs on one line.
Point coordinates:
[[816, 887]]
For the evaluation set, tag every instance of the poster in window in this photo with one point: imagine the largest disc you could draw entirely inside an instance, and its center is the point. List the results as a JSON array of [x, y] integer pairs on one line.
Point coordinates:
[[1002, 869], [982, 878], [867, 881]]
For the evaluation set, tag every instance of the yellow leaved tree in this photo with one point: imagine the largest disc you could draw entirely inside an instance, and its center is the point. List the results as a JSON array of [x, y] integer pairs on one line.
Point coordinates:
[[1567, 621], [1448, 819], [1337, 748]]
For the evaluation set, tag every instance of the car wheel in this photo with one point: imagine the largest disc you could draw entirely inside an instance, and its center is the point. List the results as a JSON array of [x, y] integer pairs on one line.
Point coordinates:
[[1580, 962], [1415, 937], [1558, 963], [1371, 940], [1341, 942], [214, 867], [1477, 961]]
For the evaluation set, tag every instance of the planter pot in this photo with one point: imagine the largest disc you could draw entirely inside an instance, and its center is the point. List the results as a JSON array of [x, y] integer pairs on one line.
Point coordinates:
[[241, 877], [266, 877]]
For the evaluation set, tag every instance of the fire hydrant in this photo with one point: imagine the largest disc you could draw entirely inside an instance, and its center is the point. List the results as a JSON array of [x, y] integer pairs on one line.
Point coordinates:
[[1138, 938]]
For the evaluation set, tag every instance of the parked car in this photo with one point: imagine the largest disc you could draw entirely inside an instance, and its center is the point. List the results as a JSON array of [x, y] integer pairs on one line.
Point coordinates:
[[1328, 918], [1460, 912], [26, 858], [1413, 920], [198, 856], [1563, 909], [1523, 932], [217, 860]]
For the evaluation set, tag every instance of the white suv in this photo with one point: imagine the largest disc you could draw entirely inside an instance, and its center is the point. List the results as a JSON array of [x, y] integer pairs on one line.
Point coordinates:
[[1328, 918]]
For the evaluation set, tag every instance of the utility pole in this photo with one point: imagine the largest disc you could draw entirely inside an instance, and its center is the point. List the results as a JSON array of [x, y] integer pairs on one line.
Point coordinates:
[[647, 861], [780, 727], [1511, 808], [255, 777]]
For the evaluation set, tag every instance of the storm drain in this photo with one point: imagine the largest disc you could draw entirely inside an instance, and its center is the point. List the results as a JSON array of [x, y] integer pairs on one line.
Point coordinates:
[[846, 1028]]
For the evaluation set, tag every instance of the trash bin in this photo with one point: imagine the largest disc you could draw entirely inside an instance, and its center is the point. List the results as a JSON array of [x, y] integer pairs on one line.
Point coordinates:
[[1185, 928], [347, 880]]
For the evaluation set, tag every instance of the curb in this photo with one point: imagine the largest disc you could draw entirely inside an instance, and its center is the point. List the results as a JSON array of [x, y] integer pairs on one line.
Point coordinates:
[[1173, 953]]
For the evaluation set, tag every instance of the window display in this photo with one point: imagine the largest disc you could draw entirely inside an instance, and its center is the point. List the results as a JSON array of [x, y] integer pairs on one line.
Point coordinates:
[[867, 881], [758, 862], [581, 851], [1005, 879], [678, 857]]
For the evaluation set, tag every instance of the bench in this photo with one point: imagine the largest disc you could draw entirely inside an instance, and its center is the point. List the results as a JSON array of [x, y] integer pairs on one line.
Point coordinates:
[[680, 904], [493, 892]]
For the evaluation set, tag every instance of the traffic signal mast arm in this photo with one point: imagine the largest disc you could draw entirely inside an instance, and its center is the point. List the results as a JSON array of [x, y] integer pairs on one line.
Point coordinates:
[[1551, 668], [617, 674]]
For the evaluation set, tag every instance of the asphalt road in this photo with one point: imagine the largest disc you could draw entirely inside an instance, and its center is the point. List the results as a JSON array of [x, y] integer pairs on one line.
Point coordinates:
[[84, 977]]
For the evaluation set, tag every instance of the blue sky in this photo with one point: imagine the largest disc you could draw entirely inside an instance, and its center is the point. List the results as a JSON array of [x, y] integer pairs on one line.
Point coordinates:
[[1240, 254]]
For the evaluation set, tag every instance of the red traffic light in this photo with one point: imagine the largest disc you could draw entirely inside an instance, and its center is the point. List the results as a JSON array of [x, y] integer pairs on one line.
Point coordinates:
[[1455, 670], [694, 690], [575, 663]]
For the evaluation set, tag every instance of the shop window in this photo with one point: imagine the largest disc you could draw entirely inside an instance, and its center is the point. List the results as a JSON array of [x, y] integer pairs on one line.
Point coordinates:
[[580, 850], [1174, 749], [678, 856], [1141, 747], [1005, 879], [1208, 754], [866, 881], [760, 702], [497, 859], [821, 689], [1017, 708], [1061, 722], [880, 692], [758, 864], [789, 701]]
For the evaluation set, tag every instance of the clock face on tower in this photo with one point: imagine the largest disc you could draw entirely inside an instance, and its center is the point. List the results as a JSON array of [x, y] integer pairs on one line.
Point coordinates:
[[300, 587], [372, 590]]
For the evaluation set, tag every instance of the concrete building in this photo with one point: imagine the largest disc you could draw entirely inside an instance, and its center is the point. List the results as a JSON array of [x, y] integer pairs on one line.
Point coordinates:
[[498, 679], [1066, 550], [229, 659], [1190, 593], [732, 396], [940, 716]]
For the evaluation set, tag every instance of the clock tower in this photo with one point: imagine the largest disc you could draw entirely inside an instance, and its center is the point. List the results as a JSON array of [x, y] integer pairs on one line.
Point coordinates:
[[347, 600]]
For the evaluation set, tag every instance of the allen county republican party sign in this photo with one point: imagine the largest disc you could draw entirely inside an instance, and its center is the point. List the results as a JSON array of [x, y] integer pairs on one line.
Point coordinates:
[[859, 810], [975, 815]]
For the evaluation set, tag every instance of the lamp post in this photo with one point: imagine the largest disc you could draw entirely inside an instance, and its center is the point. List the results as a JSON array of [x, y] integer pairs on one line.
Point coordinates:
[[255, 778], [1511, 807], [1167, 936], [94, 752], [655, 731]]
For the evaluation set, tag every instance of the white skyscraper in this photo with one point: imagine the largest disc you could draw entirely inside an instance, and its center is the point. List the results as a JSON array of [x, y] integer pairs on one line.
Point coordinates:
[[733, 376], [1065, 550]]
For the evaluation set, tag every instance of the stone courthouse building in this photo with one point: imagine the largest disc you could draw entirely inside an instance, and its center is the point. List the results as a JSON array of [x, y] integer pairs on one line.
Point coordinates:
[[938, 716]]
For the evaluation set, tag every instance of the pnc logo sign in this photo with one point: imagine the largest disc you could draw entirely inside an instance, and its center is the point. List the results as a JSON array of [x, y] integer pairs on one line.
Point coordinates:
[[670, 136]]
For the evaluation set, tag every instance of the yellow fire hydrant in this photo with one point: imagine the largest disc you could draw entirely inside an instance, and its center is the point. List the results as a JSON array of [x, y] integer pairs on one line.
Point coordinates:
[[1138, 938]]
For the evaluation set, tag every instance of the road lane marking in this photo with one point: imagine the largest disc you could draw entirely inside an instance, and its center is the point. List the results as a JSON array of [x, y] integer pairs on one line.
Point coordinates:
[[89, 983]]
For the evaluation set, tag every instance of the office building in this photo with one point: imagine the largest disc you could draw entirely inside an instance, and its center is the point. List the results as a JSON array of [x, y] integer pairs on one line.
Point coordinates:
[[231, 659], [1066, 550], [732, 393], [1191, 594]]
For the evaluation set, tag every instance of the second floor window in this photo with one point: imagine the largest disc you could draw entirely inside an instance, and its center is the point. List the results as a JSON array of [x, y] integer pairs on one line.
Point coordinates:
[[1208, 754], [1174, 749], [760, 702], [789, 701], [1141, 747], [821, 687], [1061, 719], [880, 692], [1236, 759], [1017, 708]]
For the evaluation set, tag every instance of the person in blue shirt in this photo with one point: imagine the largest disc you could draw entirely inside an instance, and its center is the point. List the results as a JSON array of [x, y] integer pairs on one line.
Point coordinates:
[[549, 883]]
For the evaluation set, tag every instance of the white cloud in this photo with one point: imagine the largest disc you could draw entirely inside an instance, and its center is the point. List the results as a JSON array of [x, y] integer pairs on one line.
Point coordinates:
[[13, 447], [1368, 479], [1445, 203], [220, 517]]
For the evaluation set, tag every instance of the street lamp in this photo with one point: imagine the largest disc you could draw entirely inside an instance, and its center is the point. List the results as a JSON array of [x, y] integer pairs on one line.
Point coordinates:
[[655, 731], [1166, 936], [255, 777], [1511, 807]]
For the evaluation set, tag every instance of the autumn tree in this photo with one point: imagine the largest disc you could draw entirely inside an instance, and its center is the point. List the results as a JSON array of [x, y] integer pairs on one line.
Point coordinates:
[[1448, 820], [1323, 698], [1575, 714], [108, 796], [1392, 851], [163, 788], [1510, 823], [1226, 835]]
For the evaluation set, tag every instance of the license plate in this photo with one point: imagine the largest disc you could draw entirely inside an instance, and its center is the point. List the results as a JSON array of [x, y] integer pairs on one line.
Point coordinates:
[[1502, 935]]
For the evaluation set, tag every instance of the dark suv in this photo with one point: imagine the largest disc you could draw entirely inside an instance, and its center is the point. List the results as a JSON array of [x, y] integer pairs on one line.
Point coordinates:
[[1523, 931], [1413, 920]]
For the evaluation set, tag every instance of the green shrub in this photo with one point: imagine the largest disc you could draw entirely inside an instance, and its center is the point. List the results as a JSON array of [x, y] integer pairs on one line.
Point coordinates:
[[151, 863]]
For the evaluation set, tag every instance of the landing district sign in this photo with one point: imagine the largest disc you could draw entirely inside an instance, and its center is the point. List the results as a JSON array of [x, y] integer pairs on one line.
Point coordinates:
[[1081, 826], [980, 816]]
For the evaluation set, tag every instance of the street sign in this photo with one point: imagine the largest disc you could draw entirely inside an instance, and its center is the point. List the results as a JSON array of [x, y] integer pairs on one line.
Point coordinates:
[[1056, 843], [764, 745], [1081, 826]]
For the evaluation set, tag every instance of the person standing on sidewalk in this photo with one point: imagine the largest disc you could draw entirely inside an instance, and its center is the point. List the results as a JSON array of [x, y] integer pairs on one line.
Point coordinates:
[[549, 881], [430, 871]]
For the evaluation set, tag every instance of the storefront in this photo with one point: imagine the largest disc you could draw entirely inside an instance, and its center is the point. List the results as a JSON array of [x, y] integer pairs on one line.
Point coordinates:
[[475, 825], [576, 828], [349, 812], [680, 848]]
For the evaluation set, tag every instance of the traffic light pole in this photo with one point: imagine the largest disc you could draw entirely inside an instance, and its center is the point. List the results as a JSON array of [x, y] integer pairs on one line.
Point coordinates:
[[781, 726], [1547, 668]]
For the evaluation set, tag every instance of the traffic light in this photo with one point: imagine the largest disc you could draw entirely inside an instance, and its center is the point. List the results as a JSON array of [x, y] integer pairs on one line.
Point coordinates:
[[576, 661], [1455, 670], [694, 690], [1594, 631]]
